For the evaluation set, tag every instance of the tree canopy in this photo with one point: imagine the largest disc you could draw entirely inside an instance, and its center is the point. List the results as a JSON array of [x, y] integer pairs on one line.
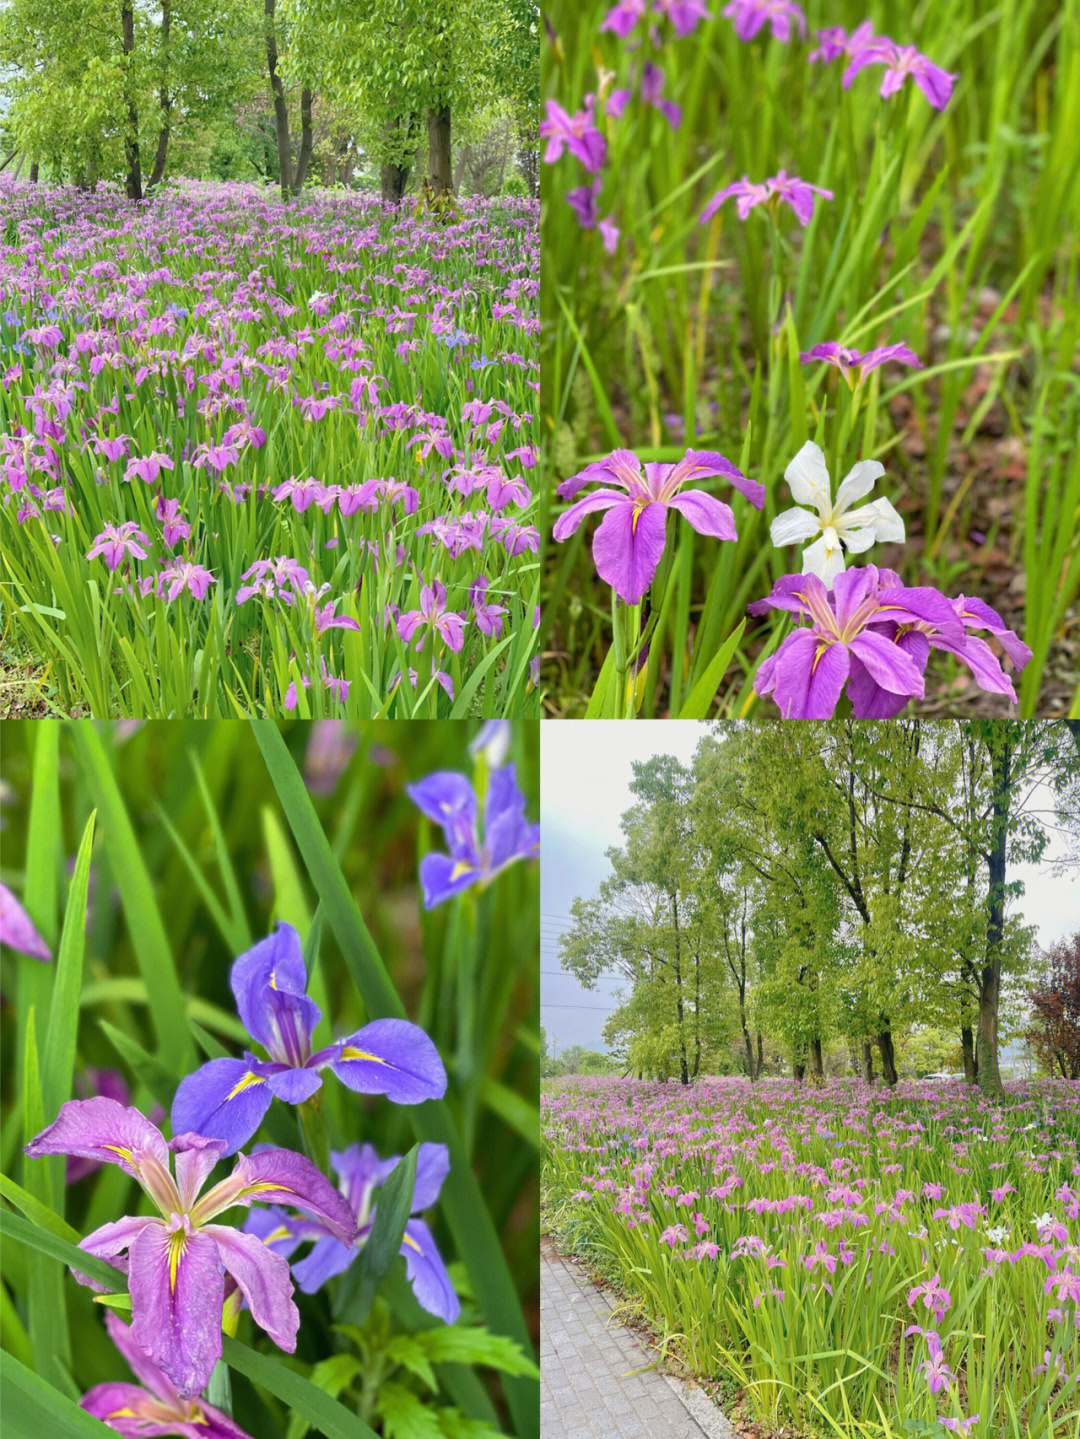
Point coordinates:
[[816, 889]]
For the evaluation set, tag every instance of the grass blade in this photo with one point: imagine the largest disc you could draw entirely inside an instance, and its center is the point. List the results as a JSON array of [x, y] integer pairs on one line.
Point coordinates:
[[471, 1225]]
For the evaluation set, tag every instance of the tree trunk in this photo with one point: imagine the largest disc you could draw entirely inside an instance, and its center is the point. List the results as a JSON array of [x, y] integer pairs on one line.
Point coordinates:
[[751, 1068], [438, 130], [281, 110], [760, 1056], [131, 139], [967, 1043], [868, 1061], [798, 1069], [683, 1065], [164, 99], [986, 1044], [394, 176], [303, 160], [817, 1068], [33, 172], [888, 1057], [697, 1012]]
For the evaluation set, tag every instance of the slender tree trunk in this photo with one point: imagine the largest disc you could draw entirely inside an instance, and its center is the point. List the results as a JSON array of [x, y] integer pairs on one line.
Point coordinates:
[[817, 1067], [394, 177], [303, 160], [34, 172], [131, 139], [438, 129], [760, 1056], [798, 1069], [697, 1013], [684, 1066], [868, 1061], [888, 1057], [281, 110], [751, 1068], [986, 1044], [164, 99]]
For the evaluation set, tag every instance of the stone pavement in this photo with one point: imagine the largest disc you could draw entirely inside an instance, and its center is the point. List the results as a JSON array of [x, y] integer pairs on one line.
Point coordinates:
[[598, 1380]]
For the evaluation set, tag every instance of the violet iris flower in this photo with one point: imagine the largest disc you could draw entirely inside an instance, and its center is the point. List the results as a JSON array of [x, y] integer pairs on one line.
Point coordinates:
[[227, 1098], [629, 541], [576, 133], [450, 801], [799, 194], [177, 1260], [360, 1172], [117, 540], [153, 1406], [807, 674], [433, 614], [874, 635], [17, 929], [900, 61], [750, 16], [847, 360]]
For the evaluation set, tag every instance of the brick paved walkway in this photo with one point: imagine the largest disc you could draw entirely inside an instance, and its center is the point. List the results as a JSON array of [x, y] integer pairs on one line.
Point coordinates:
[[597, 1377]]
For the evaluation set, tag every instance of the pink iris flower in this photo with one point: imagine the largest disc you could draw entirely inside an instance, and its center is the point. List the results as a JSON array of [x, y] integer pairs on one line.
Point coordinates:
[[629, 541]]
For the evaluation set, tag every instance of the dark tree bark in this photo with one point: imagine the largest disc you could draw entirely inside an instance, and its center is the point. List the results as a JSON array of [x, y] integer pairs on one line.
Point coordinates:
[[760, 1056], [281, 109], [165, 100], [303, 160], [798, 1069], [888, 1057], [868, 1061], [131, 139], [817, 1067], [684, 1068], [438, 129], [34, 172], [986, 1044], [394, 177], [967, 1044]]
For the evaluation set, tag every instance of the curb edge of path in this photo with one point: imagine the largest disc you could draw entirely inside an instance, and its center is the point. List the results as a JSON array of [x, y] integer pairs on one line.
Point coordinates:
[[703, 1414]]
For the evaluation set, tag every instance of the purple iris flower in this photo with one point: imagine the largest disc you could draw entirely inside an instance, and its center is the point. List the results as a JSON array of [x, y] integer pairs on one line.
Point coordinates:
[[751, 16], [847, 360], [807, 674], [177, 1259], [360, 1173], [799, 194], [17, 929], [835, 41], [450, 801], [576, 133], [153, 1406], [434, 615], [622, 17], [900, 61], [117, 540], [629, 541], [227, 1098], [874, 635]]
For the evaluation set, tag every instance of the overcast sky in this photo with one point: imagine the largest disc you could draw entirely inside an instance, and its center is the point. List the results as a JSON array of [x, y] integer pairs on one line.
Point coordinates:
[[585, 774]]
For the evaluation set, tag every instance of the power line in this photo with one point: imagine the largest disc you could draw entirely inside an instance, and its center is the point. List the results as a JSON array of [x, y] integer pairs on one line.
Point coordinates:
[[599, 1008]]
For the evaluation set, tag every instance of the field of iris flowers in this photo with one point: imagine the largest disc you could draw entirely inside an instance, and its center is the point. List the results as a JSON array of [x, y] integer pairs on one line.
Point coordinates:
[[842, 1259], [786, 244], [275, 947], [260, 459]]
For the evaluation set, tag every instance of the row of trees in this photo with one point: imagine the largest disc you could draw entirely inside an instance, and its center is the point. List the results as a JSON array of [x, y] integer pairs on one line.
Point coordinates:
[[134, 89], [801, 887]]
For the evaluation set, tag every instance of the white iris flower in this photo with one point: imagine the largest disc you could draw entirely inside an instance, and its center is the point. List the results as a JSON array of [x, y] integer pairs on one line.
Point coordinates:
[[835, 521]]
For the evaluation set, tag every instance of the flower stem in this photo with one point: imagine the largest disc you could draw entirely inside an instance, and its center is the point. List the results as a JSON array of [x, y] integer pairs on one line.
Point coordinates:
[[313, 1133]]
